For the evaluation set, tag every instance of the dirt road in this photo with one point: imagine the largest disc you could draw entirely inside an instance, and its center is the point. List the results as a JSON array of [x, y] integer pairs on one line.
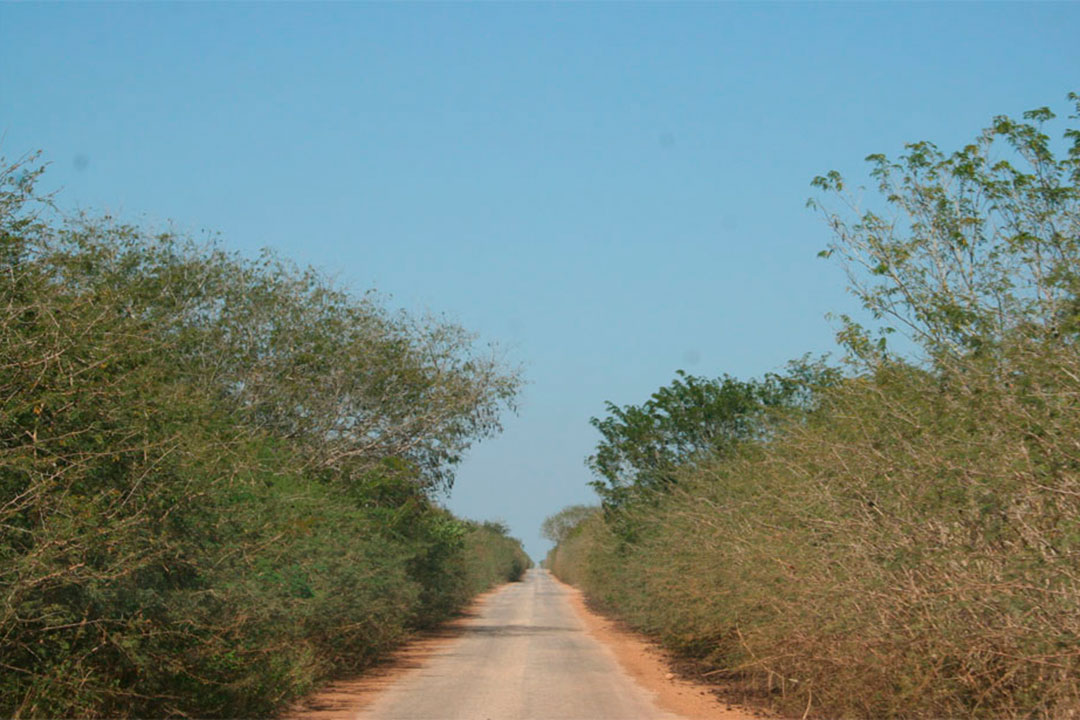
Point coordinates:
[[530, 651]]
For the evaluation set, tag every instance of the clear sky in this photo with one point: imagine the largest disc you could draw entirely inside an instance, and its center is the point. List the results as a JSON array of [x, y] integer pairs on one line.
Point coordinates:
[[609, 191]]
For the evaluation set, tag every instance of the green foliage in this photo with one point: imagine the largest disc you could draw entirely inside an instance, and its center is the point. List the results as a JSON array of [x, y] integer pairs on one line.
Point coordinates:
[[216, 475], [493, 557], [642, 445], [914, 534], [972, 247]]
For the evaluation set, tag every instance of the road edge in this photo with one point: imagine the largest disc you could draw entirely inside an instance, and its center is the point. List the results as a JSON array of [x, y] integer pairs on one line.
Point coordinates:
[[644, 661], [346, 697]]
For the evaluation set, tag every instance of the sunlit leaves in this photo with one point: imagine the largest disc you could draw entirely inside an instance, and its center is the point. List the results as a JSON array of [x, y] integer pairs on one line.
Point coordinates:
[[972, 247]]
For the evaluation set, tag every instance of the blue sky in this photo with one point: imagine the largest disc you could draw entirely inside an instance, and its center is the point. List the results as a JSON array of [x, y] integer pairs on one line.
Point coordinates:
[[608, 191]]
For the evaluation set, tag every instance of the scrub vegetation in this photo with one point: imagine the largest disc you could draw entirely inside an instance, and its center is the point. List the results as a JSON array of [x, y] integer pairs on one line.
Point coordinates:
[[897, 536], [218, 477]]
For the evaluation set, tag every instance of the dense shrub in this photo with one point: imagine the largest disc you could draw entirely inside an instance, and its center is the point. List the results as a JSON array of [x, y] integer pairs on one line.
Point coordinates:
[[908, 541], [217, 476], [909, 546], [493, 557]]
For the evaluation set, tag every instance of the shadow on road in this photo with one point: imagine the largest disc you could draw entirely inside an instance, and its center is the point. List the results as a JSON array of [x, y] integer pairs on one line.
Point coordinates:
[[510, 630]]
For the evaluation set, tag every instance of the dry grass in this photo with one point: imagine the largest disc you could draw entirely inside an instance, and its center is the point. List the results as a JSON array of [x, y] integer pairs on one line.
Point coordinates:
[[913, 550]]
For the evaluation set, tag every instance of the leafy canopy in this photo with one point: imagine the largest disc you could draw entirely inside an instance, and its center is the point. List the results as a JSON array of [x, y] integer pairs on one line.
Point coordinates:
[[693, 417]]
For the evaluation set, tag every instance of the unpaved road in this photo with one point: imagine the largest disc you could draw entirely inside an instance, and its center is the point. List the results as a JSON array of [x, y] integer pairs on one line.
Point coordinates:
[[530, 652]]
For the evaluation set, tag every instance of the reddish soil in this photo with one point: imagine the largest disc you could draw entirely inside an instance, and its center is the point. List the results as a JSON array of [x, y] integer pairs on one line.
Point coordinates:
[[643, 660], [344, 699], [652, 669]]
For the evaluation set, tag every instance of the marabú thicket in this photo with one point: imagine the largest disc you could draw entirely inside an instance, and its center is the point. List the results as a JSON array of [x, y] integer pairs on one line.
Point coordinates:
[[899, 537], [217, 476]]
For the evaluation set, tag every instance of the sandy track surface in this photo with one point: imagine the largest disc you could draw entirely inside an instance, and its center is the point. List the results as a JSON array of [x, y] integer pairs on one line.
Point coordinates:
[[530, 650]]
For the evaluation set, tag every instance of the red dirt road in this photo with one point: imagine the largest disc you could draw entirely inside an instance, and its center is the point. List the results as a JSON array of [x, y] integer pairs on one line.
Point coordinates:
[[527, 650]]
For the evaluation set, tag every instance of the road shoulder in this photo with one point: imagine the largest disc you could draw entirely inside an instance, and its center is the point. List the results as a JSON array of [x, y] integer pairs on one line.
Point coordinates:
[[345, 698], [647, 665]]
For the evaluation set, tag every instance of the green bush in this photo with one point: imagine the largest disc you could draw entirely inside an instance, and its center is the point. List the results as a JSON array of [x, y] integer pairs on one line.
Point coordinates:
[[216, 475], [493, 557]]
